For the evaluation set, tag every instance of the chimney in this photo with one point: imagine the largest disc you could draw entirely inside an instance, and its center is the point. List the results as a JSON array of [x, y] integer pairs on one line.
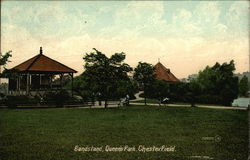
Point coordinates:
[[41, 50]]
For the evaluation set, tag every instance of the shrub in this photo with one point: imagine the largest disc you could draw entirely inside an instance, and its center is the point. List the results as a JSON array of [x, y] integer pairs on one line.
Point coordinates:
[[13, 101], [58, 98], [2, 95], [132, 97], [141, 95], [2, 99], [209, 99]]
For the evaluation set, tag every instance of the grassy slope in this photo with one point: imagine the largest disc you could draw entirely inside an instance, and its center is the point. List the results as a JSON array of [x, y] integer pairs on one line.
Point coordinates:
[[53, 133]]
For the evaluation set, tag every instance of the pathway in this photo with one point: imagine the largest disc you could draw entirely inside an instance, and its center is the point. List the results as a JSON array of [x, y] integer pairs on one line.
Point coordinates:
[[137, 96], [184, 105]]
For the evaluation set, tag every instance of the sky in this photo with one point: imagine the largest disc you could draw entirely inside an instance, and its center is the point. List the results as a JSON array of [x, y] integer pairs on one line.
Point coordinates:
[[185, 36]]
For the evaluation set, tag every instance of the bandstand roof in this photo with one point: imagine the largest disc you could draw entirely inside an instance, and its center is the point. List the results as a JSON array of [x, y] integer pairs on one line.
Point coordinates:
[[42, 63]]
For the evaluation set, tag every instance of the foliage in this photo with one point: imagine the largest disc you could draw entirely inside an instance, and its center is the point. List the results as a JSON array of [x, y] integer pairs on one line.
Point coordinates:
[[9, 73], [87, 90], [214, 85], [194, 90], [141, 95], [144, 75], [66, 79], [81, 87], [3, 61], [209, 99], [58, 98], [13, 101], [159, 90], [243, 86], [178, 92], [5, 58], [104, 74], [218, 80], [128, 87], [2, 95]]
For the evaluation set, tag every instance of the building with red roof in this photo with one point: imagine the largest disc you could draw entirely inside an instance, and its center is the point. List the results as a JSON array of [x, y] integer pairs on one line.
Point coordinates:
[[37, 73], [163, 73]]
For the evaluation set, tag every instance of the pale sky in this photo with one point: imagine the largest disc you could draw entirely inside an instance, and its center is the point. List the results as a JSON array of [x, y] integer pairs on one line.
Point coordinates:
[[185, 35]]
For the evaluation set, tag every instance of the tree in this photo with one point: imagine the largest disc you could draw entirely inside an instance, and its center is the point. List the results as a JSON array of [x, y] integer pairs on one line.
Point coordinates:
[[178, 92], [103, 74], [127, 87], [219, 81], [243, 86], [144, 75], [5, 58], [194, 90], [159, 90], [80, 87], [3, 61]]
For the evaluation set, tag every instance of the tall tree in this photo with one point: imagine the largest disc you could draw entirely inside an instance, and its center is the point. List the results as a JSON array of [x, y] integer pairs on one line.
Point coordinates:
[[144, 75], [103, 74], [243, 86], [159, 90], [194, 90], [219, 81], [127, 88]]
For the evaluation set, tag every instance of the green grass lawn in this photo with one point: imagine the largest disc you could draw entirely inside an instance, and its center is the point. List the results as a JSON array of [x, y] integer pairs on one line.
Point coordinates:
[[30, 134]]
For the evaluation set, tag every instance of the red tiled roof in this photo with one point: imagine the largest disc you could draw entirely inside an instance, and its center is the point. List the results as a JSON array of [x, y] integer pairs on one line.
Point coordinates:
[[42, 63], [163, 73]]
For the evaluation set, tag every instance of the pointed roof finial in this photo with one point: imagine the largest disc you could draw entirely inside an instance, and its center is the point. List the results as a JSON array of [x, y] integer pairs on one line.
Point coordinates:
[[159, 60], [41, 50]]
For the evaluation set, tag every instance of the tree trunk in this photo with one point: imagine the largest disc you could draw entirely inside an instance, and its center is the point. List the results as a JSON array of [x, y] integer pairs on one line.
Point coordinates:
[[106, 104], [193, 104], [93, 101], [145, 99]]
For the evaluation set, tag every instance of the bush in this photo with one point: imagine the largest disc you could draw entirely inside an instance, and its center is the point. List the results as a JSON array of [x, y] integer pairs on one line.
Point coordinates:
[[58, 98], [2, 95], [141, 95], [210, 99], [13, 101], [2, 99], [132, 97]]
